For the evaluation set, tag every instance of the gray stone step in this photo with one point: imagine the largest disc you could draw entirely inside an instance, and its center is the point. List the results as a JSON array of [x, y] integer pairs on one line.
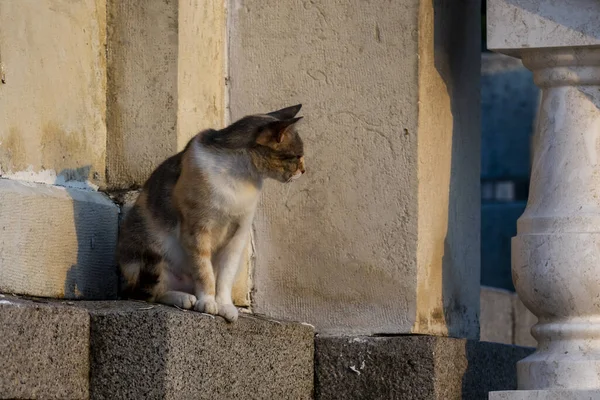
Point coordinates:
[[44, 350], [142, 351], [134, 350], [413, 368]]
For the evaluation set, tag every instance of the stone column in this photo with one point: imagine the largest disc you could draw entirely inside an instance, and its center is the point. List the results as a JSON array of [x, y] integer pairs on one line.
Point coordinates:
[[556, 253], [166, 81], [382, 233]]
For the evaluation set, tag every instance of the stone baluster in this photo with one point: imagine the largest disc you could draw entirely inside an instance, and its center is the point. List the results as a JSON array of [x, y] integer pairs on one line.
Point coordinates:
[[556, 253]]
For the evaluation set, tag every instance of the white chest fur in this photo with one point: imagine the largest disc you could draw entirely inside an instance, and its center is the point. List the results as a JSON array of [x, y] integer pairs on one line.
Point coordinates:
[[233, 188]]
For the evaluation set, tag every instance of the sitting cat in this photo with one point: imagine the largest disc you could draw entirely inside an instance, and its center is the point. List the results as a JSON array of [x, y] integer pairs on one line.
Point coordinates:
[[182, 242]]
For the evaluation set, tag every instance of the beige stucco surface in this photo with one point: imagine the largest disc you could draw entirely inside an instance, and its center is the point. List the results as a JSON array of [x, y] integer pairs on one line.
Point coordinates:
[[165, 81], [352, 247], [52, 101], [57, 242]]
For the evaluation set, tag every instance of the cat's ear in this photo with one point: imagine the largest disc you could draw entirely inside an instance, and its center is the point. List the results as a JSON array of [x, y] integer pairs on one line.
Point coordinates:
[[286, 113], [275, 131]]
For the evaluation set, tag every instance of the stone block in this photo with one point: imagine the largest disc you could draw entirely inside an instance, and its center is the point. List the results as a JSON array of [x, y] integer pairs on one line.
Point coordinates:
[[166, 81], [143, 351], [518, 24], [546, 395], [524, 321], [412, 367], [382, 233], [496, 318], [505, 319], [57, 242], [44, 350], [53, 95]]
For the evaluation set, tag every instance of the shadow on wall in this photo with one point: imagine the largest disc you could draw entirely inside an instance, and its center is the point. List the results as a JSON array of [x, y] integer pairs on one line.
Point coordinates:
[[94, 275], [456, 45]]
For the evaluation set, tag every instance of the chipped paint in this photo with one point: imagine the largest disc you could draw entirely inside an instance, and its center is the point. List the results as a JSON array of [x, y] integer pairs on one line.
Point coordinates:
[[49, 177]]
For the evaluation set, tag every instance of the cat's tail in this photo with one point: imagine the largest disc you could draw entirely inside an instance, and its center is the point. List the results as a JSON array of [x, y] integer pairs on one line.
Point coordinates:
[[143, 278], [129, 279]]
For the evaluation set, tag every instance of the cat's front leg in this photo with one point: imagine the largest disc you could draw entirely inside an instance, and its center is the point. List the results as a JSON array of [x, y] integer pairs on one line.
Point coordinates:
[[228, 263], [198, 245]]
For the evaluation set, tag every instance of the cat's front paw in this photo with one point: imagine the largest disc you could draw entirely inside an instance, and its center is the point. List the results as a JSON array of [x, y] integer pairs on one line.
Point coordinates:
[[185, 301], [229, 312], [207, 305]]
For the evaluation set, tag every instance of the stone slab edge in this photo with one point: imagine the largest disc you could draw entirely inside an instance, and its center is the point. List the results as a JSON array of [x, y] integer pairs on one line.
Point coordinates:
[[413, 367], [57, 242]]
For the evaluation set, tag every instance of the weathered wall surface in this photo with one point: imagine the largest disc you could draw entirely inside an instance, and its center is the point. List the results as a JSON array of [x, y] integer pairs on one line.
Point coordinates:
[[165, 81], [340, 248], [337, 248], [53, 100], [55, 242]]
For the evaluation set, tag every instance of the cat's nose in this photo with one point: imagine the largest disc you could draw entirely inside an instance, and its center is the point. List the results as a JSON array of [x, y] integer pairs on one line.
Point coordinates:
[[301, 167]]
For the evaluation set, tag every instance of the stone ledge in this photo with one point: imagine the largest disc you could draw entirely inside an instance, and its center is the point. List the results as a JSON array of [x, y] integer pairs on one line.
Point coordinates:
[[144, 351], [546, 395], [44, 350], [516, 24], [57, 242], [413, 367], [124, 349]]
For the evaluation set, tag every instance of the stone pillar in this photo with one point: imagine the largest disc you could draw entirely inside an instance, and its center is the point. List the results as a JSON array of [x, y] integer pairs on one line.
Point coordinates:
[[166, 81], [382, 234], [556, 252]]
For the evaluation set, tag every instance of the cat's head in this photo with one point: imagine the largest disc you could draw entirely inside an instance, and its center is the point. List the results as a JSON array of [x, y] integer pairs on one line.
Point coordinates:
[[276, 148]]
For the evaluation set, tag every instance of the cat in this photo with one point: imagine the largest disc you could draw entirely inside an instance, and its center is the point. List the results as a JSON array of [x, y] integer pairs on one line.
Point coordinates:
[[182, 241]]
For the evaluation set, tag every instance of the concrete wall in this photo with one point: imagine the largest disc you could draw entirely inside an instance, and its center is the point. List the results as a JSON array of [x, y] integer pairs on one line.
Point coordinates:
[[53, 99], [364, 243], [101, 87], [381, 236]]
